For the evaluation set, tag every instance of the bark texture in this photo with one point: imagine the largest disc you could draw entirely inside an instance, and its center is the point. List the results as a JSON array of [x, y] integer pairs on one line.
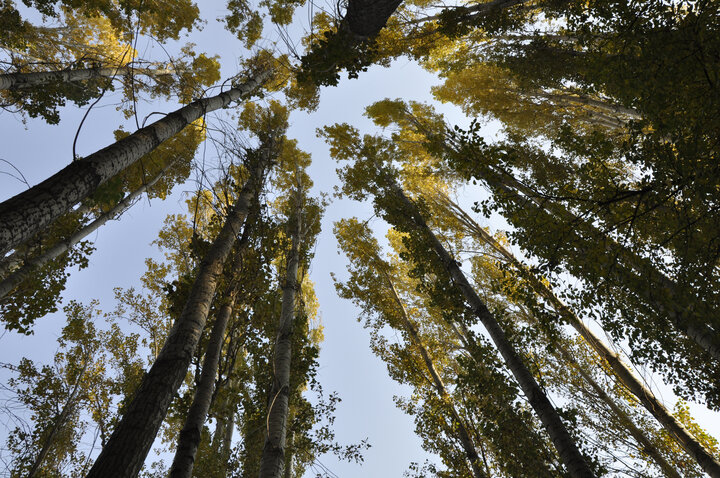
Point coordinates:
[[191, 433], [622, 371], [189, 439], [564, 444], [19, 275], [18, 81], [365, 18], [30, 211], [272, 462], [125, 452]]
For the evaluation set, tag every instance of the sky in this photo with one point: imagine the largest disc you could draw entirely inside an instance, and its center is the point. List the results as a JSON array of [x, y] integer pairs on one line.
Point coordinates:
[[347, 365]]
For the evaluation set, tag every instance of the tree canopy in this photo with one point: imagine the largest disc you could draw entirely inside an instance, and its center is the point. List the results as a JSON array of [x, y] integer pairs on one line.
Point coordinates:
[[532, 246]]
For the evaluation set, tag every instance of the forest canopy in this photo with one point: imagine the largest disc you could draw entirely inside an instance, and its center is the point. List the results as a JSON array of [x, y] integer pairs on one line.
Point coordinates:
[[499, 218]]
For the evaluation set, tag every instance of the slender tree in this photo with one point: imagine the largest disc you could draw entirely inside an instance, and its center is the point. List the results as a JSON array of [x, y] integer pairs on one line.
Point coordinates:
[[273, 458], [32, 210], [622, 371], [126, 449]]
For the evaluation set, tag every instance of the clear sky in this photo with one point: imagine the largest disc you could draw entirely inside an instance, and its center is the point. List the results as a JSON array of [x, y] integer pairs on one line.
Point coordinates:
[[346, 363]]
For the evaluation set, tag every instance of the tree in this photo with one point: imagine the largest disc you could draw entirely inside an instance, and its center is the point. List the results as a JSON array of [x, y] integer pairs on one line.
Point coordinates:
[[463, 404], [36, 272], [126, 451], [394, 205], [30, 211]]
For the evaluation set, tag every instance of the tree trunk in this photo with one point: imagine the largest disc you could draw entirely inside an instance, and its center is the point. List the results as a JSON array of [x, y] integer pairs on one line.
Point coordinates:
[[273, 455], [627, 422], [687, 313], [579, 99], [191, 433], [564, 444], [18, 81], [68, 408], [189, 439], [660, 292], [30, 211], [19, 275], [622, 371], [222, 438], [125, 452], [458, 423], [14, 260], [288, 471], [476, 10], [365, 18]]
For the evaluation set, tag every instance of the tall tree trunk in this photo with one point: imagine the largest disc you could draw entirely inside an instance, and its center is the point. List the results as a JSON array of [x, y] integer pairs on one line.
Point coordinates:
[[18, 81], [365, 18], [579, 99], [687, 313], [273, 455], [222, 437], [289, 451], [622, 371], [663, 294], [68, 408], [19, 275], [474, 11], [189, 439], [626, 421], [458, 423], [564, 444], [125, 452], [30, 211], [14, 260]]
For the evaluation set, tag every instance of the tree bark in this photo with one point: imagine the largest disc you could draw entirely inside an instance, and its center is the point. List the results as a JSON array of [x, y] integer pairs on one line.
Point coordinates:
[[479, 9], [19, 275], [621, 370], [32, 210], [191, 433], [19, 81], [14, 260], [125, 452], [564, 444], [189, 439], [222, 437], [273, 455], [365, 18]]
